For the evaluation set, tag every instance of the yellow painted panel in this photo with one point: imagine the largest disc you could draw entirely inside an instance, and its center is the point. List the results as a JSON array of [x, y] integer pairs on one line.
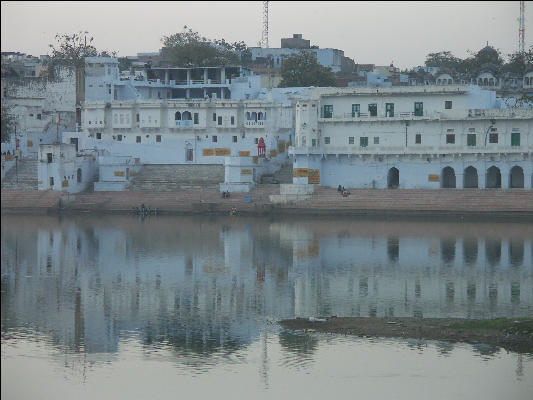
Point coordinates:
[[29, 143], [222, 152], [433, 178], [255, 159], [244, 153], [273, 153], [133, 173], [9, 158], [137, 160], [300, 173], [208, 152], [314, 176], [119, 173], [281, 146], [64, 183], [246, 172]]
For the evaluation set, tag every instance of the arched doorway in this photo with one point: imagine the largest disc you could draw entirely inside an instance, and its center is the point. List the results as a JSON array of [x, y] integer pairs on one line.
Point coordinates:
[[177, 116], [393, 178], [448, 178], [79, 175], [186, 116], [494, 178], [516, 178], [470, 178]]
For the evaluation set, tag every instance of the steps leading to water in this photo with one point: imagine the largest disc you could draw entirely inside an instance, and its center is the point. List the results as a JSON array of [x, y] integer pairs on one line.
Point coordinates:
[[175, 178], [21, 177]]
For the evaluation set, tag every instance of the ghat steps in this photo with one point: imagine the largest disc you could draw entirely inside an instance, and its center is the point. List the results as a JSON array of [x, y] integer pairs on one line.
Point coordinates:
[[23, 176]]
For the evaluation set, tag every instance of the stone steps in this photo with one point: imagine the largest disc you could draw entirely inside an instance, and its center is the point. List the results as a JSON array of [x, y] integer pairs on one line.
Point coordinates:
[[30, 199], [21, 177], [175, 178]]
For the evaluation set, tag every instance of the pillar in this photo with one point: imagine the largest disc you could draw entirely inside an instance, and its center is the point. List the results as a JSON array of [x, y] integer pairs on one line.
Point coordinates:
[[188, 77], [167, 77], [504, 172], [205, 76], [223, 76]]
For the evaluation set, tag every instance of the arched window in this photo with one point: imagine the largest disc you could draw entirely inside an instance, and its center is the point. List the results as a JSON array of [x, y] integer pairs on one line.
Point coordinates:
[[393, 178], [470, 178], [177, 116], [491, 82], [494, 178], [448, 178], [485, 81], [516, 180], [260, 116], [450, 81], [254, 116], [247, 116], [187, 116]]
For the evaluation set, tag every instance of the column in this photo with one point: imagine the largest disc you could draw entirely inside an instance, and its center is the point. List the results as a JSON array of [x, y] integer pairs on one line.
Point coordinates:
[[167, 77], [504, 172], [188, 76], [223, 76], [205, 76]]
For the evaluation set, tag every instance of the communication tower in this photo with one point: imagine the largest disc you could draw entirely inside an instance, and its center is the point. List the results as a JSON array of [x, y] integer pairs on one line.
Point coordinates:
[[264, 38], [521, 28]]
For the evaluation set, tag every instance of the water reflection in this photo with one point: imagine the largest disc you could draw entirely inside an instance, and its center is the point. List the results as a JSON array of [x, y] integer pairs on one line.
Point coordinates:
[[202, 287]]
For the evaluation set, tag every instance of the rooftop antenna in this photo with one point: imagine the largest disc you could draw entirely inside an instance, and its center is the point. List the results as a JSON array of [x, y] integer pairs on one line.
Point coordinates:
[[264, 38], [521, 28]]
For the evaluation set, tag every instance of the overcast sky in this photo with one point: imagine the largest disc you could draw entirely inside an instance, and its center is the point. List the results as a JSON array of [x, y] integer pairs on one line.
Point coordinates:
[[377, 33]]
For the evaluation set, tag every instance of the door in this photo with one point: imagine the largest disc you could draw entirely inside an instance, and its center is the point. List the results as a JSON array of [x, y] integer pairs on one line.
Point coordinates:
[[389, 109], [419, 109]]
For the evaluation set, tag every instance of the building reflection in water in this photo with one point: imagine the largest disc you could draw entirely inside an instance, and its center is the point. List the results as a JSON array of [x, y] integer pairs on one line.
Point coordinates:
[[207, 286]]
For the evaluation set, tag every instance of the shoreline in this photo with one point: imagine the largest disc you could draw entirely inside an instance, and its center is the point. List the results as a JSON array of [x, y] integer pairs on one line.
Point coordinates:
[[511, 334], [363, 203]]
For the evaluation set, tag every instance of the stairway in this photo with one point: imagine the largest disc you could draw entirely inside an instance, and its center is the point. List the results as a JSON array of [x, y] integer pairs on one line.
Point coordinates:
[[175, 178], [284, 175], [21, 177]]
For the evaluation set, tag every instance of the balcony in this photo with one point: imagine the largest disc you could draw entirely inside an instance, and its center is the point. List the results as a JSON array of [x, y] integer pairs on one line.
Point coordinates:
[[186, 123], [254, 124]]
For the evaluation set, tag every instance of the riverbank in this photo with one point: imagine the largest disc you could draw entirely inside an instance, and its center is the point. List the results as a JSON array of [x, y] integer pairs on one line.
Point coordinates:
[[511, 334], [324, 202]]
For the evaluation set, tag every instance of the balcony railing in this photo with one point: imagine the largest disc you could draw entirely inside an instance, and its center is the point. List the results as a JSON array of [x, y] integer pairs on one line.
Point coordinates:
[[186, 123], [254, 123]]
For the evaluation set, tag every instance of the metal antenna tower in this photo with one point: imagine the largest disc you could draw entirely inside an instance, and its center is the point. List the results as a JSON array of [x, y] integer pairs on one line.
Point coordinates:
[[521, 28], [264, 38]]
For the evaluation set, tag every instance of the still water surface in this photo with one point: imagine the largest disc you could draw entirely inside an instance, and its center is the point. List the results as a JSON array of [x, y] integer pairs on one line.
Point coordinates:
[[118, 307]]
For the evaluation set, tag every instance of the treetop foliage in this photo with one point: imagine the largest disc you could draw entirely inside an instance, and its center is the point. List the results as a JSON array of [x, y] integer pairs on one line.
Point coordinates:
[[303, 69]]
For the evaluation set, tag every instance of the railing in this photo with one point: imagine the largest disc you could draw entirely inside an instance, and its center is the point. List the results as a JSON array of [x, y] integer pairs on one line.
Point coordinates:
[[254, 123], [186, 123]]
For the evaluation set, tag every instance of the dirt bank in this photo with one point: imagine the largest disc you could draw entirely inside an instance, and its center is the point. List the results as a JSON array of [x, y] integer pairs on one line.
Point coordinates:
[[512, 334]]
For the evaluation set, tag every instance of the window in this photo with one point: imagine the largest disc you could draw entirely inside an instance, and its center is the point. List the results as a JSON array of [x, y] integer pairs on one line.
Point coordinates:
[[158, 138], [313, 142], [419, 109], [196, 119], [214, 117], [138, 140], [493, 138], [350, 140], [363, 141], [137, 117], [326, 140], [448, 105], [328, 111], [256, 141], [450, 138], [38, 116], [189, 155], [215, 139], [418, 138], [98, 135], [373, 110], [389, 109], [49, 157], [471, 139], [356, 110], [515, 138], [51, 181], [234, 139], [232, 120], [376, 139], [220, 120], [89, 122], [119, 138]]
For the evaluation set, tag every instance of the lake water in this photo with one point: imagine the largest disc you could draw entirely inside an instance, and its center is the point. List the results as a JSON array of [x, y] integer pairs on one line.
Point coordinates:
[[186, 307]]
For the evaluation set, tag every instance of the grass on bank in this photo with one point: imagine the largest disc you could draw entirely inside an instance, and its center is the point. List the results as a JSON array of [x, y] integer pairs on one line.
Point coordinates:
[[516, 325]]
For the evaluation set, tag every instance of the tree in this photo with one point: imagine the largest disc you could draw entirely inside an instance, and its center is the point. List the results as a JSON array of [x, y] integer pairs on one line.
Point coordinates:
[[124, 64], [71, 50], [303, 69], [8, 123], [189, 49], [519, 61], [443, 59]]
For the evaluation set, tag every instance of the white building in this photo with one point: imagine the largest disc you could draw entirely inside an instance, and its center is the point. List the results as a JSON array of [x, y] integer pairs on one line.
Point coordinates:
[[411, 137]]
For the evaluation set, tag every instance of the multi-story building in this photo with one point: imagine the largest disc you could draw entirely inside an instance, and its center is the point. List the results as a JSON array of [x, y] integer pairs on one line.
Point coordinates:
[[411, 137]]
